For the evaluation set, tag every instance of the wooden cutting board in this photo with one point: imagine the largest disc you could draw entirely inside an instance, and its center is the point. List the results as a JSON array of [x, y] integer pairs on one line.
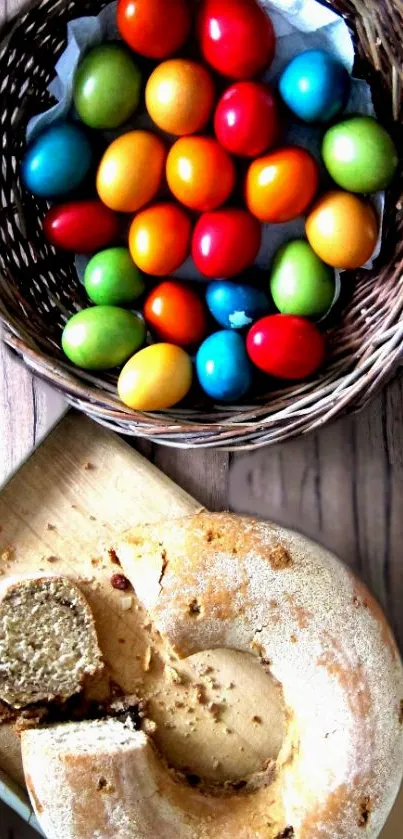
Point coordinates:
[[60, 513]]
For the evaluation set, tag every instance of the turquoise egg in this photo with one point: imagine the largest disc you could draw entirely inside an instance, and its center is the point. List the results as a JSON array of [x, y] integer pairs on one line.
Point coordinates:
[[57, 161], [315, 86], [236, 305], [102, 337], [223, 367]]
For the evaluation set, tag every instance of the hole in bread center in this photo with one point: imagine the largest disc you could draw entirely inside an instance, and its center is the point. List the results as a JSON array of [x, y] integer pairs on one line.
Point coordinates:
[[219, 715]]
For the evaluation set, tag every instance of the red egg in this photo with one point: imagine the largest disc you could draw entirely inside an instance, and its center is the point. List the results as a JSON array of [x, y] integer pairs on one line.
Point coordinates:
[[236, 37], [81, 226], [176, 314], [155, 28], [225, 242], [286, 346], [247, 121]]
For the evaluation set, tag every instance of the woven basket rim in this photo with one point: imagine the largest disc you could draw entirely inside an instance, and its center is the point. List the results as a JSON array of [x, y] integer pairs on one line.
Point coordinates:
[[363, 361]]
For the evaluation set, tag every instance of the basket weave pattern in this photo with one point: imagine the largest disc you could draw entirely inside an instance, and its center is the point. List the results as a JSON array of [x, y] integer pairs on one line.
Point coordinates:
[[39, 288]]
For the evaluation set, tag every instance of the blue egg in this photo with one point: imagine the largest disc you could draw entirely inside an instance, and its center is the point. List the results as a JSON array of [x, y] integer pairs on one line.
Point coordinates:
[[223, 367], [236, 305], [57, 161], [315, 86]]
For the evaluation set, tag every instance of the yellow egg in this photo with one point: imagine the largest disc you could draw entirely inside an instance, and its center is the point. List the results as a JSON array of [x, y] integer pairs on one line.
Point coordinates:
[[155, 378], [342, 229], [131, 171]]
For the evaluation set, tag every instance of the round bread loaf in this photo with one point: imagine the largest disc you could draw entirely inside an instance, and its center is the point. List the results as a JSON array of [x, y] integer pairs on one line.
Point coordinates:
[[238, 602], [48, 641]]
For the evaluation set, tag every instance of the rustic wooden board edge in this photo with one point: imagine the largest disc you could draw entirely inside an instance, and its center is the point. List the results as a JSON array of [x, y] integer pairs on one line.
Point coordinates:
[[11, 792]]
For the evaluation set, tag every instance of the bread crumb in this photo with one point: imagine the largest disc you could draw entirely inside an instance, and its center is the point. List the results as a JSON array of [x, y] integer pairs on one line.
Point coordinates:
[[215, 710], [52, 559], [89, 467], [365, 811], [8, 554], [95, 562], [92, 518], [149, 726], [280, 558], [126, 603], [257, 720], [201, 694], [147, 659], [113, 556], [50, 526], [173, 675], [105, 786]]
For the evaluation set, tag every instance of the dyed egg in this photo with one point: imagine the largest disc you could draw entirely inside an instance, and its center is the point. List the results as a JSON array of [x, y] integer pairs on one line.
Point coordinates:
[[343, 229], [300, 283], [236, 37], [315, 86], [281, 185], [236, 305], [81, 226], [153, 28], [223, 367], [159, 239], [57, 161], [131, 171], [247, 121], [286, 347], [200, 173], [156, 378], [225, 242], [102, 337], [175, 313], [360, 155], [107, 87], [180, 96], [112, 279]]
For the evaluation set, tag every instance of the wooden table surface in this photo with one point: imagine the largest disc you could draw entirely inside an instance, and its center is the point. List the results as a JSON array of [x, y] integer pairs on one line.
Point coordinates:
[[343, 485]]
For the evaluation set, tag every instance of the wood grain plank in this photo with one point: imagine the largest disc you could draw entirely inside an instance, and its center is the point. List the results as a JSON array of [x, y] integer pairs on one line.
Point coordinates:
[[28, 409]]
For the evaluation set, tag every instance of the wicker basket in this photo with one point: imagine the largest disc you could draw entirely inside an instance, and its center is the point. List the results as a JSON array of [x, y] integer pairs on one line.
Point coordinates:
[[39, 287]]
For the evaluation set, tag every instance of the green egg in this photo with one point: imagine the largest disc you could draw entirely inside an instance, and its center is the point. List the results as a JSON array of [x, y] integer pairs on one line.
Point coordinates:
[[107, 87], [112, 279], [360, 155], [102, 337], [300, 283]]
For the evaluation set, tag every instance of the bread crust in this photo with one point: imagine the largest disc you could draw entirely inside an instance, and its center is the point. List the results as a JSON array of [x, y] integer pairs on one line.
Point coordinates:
[[216, 581]]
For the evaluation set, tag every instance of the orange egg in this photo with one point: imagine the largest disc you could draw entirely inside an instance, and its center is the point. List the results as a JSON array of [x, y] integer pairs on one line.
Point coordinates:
[[342, 229], [159, 239], [200, 173], [281, 185], [180, 96], [131, 171]]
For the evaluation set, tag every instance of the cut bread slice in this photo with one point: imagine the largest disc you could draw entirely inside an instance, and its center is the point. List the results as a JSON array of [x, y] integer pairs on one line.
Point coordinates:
[[100, 780], [48, 640]]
